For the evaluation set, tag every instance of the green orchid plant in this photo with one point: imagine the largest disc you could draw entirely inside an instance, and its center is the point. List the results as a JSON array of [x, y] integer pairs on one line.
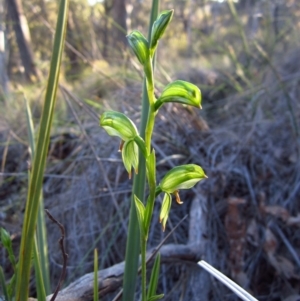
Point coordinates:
[[118, 124]]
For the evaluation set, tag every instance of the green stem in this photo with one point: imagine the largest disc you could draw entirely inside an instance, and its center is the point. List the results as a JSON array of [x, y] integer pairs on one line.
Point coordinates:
[[148, 137], [149, 129], [151, 97], [133, 241], [144, 268], [141, 144]]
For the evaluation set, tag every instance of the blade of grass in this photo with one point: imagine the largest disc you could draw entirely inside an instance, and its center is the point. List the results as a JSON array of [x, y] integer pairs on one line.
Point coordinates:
[[38, 166], [41, 269], [96, 292], [40, 287], [133, 240], [41, 262], [154, 277], [42, 246]]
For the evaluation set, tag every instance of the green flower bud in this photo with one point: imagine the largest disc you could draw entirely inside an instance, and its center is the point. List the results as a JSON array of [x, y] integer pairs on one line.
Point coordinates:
[[130, 156], [139, 45], [165, 209], [159, 27], [181, 92], [118, 124], [181, 177]]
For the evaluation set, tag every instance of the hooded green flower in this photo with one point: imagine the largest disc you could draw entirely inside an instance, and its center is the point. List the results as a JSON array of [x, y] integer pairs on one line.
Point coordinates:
[[139, 45], [159, 27], [181, 177], [118, 124], [181, 92]]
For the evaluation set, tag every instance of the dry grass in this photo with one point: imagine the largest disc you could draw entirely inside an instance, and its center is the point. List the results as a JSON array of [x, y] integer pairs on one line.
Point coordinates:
[[251, 156], [249, 149]]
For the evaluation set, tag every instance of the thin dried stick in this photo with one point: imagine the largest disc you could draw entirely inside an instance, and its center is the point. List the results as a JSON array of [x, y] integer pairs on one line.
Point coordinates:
[[65, 255]]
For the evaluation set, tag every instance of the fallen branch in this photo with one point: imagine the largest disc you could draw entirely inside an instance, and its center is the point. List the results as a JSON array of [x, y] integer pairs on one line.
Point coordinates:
[[110, 279]]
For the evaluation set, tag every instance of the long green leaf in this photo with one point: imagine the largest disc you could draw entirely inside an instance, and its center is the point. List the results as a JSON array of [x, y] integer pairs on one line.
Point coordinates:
[[154, 278], [133, 240], [38, 166], [41, 258], [40, 287]]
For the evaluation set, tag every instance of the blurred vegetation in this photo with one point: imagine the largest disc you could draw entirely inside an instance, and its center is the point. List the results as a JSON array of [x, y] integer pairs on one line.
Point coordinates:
[[243, 55]]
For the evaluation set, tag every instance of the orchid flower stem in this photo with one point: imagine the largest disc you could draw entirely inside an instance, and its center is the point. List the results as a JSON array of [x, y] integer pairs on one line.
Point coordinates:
[[144, 268], [150, 201], [150, 204], [181, 177], [151, 97]]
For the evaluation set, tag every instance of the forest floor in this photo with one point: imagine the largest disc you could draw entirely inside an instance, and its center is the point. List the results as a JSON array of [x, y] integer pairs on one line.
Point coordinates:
[[247, 140]]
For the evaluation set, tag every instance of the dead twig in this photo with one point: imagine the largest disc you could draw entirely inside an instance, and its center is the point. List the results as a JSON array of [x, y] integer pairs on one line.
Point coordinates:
[[111, 279], [64, 254]]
